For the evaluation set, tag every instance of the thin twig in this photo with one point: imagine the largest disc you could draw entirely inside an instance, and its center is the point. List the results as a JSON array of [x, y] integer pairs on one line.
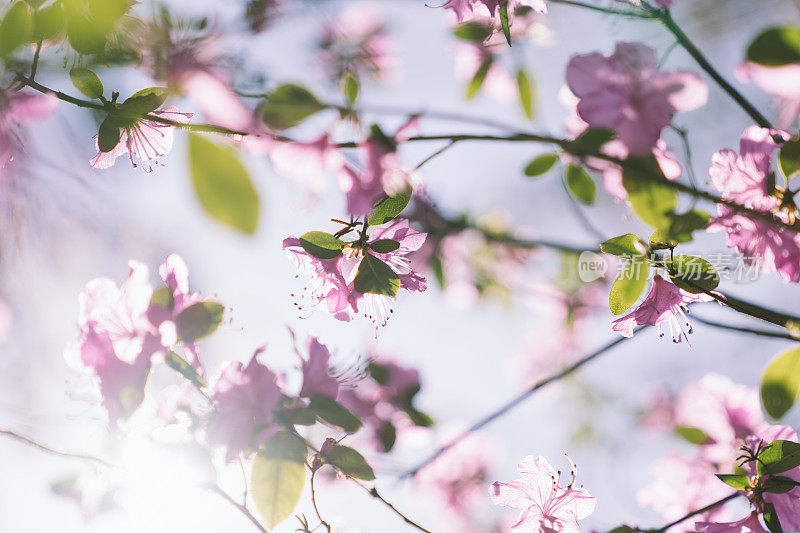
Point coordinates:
[[314, 501], [35, 63], [743, 329], [607, 10], [52, 451], [242, 509], [689, 515], [435, 154]]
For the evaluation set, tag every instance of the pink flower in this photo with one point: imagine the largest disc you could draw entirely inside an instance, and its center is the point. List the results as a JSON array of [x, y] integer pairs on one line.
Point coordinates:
[[307, 163], [317, 378], [466, 9], [682, 485], [748, 524], [244, 399], [743, 178], [787, 504], [626, 93], [17, 109], [147, 140], [6, 321], [546, 507], [782, 82], [664, 303]]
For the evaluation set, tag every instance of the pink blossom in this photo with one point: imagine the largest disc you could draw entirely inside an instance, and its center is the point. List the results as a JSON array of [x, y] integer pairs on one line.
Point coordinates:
[[244, 399], [17, 109], [498, 82], [664, 303], [317, 378], [466, 9], [743, 178], [307, 163], [748, 524], [682, 485], [6, 322], [626, 93], [787, 504], [782, 82], [146, 139], [546, 507]]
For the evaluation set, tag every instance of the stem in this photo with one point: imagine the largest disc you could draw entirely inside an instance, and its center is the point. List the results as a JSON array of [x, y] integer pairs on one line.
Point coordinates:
[[375, 494], [435, 154], [516, 401], [35, 63], [242, 509], [666, 19], [742, 329], [708, 507], [41, 447], [314, 501], [607, 10]]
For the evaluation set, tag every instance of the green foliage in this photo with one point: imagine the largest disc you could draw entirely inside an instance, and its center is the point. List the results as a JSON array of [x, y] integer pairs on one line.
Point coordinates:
[[780, 383], [199, 320], [350, 88], [389, 207], [350, 462], [163, 297], [180, 365], [693, 435], [775, 46], [143, 102], [779, 484], [90, 22], [790, 157], [628, 286], [580, 184], [503, 12], [477, 80], [16, 27], [771, 518], [384, 246], [653, 201], [737, 481], [628, 245], [376, 277], [278, 476], [693, 274], [322, 245], [525, 89], [473, 32], [86, 82], [48, 22], [223, 184], [779, 456], [387, 435], [683, 225], [590, 141], [541, 165], [334, 413], [109, 134], [289, 105]]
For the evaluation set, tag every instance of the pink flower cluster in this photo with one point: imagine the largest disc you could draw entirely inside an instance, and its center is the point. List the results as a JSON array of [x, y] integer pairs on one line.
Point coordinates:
[[16, 110]]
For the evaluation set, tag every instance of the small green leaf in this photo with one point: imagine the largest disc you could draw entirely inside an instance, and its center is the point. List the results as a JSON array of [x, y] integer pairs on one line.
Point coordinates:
[[737, 481], [525, 89], [477, 80], [277, 477], [473, 32], [334, 413], [654, 202], [779, 456], [86, 82], [775, 47], [628, 286], [163, 297], [199, 320], [628, 245], [322, 245], [693, 274], [771, 518], [683, 225], [350, 462], [180, 365], [779, 484], [387, 435], [790, 157], [389, 208], [541, 165], [143, 102], [109, 134], [580, 184], [376, 277], [503, 12], [16, 28], [590, 141], [351, 88], [780, 383], [693, 435], [384, 246], [288, 106], [223, 184]]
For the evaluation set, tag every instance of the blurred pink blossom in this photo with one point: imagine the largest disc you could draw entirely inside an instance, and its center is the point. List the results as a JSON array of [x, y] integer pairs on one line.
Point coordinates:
[[317, 378], [748, 524], [307, 163], [466, 10], [782, 82], [18, 108]]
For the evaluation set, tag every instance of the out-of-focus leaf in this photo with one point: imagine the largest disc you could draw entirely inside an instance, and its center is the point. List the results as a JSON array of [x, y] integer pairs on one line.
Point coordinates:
[[628, 245], [334, 413], [289, 105], [277, 477], [525, 89], [477, 80], [580, 184], [654, 202], [540, 165], [780, 383], [350, 462], [199, 320], [180, 365], [16, 27], [473, 32], [86, 82], [775, 46]]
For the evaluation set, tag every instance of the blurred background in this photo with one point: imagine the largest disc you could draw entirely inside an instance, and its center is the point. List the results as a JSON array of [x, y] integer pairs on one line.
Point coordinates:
[[64, 223]]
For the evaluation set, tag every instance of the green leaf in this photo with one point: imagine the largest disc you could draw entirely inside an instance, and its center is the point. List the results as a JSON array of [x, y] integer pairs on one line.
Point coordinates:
[[790, 157], [16, 28], [107, 12], [590, 141], [384, 246], [86, 82], [322, 245], [199, 320], [737, 481], [143, 102], [652, 201], [775, 46], [109, 134], [683, 225], [693, 274], [374, 276], [350, 462], [334, 413], [477, 80], [473, 32], [693, 435], [541, 165], [277, 477], [779, 484], [163, 297], [771, 518], [85, 36], [387, 435], [525, 89], [779, 456], [389, 208], [48, 22], [580, 184], [503, 12], [351, 88], [289, 105], [628, 245], [628, 286], [780, 383], [223, 184], [180, 365]]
